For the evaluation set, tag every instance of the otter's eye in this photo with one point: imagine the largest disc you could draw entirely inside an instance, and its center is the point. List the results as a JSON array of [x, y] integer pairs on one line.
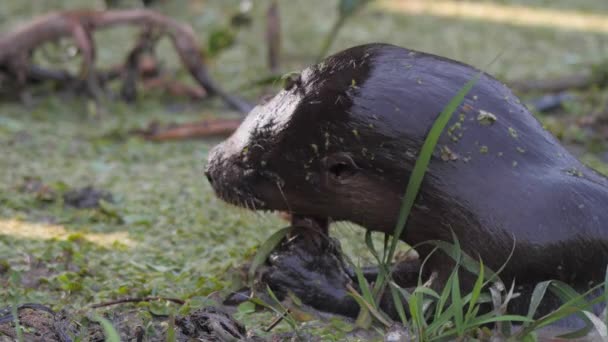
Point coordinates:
[[340, 170], [340, 166]]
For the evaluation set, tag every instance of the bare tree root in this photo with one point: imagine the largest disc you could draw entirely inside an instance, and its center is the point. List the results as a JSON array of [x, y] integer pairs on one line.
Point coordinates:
[[17, 46]]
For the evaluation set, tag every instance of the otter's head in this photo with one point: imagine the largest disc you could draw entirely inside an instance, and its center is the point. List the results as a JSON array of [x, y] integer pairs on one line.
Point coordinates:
[[315, 148]]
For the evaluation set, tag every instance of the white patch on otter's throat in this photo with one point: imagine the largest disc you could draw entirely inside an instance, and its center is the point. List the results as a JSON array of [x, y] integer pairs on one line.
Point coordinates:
[[272, 115]]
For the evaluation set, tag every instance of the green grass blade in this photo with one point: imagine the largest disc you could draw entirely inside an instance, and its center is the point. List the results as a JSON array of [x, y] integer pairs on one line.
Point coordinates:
[[417, 317], [476, 292], [481, 320], [265, 249], [599, 325], [445, 294], [110, 333], [398, 303], [477, 322], [494, 275], [367, 306], [364, 286], [424, 159], [171, 329], [370, 245], [426, 291], [457, 302], [18, 330], [383, 270], [423, 264], [263, 304], [537, 295], [570, 307], [566, 293], [466, 261], [440, 321], [366, 302]]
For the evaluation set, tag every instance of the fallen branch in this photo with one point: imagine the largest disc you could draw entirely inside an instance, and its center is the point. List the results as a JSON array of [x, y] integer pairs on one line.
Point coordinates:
[[277, 320], [577, 81], [17, 46], [200, 129]]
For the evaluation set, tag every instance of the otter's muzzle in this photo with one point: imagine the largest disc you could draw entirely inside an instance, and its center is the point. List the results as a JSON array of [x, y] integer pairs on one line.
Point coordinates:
[[219, 168], [211, 165], [231, 179]]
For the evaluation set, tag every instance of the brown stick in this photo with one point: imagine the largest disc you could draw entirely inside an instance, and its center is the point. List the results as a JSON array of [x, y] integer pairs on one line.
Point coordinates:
[[79, 25], [273, 36], [579, 81], [276, 321], [137, 300], [201, 129]]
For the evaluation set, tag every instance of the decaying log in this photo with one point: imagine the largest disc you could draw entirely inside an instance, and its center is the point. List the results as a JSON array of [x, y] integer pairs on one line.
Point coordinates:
[[16, 46]]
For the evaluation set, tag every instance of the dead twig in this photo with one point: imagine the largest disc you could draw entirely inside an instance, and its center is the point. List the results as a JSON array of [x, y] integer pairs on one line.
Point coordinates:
[[137, 300], [273, 36], [555, 85], [277, 320], [200, 129]]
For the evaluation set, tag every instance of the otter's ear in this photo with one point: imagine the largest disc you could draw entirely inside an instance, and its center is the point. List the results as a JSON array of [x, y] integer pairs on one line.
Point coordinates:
[[340, 166]]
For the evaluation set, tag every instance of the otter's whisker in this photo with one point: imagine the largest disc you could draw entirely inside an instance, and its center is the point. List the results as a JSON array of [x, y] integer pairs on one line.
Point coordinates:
[[284, 198]]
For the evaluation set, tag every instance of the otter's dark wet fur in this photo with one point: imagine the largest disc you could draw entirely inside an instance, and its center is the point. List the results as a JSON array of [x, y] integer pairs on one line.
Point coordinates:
[[341, 142]]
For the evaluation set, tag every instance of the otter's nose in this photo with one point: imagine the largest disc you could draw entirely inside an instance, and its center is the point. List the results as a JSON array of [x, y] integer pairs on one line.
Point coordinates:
[[212, 161], [208, 175]]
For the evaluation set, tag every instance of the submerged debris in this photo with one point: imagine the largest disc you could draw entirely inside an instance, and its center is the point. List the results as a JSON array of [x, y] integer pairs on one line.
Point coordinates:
[[486, 118], [86, 198], [397, 333], [40, 190], [574, 172], [447, 154], [211, 324]]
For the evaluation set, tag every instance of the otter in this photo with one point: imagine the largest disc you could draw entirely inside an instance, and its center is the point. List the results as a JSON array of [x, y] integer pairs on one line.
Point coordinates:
[[341, 139]]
